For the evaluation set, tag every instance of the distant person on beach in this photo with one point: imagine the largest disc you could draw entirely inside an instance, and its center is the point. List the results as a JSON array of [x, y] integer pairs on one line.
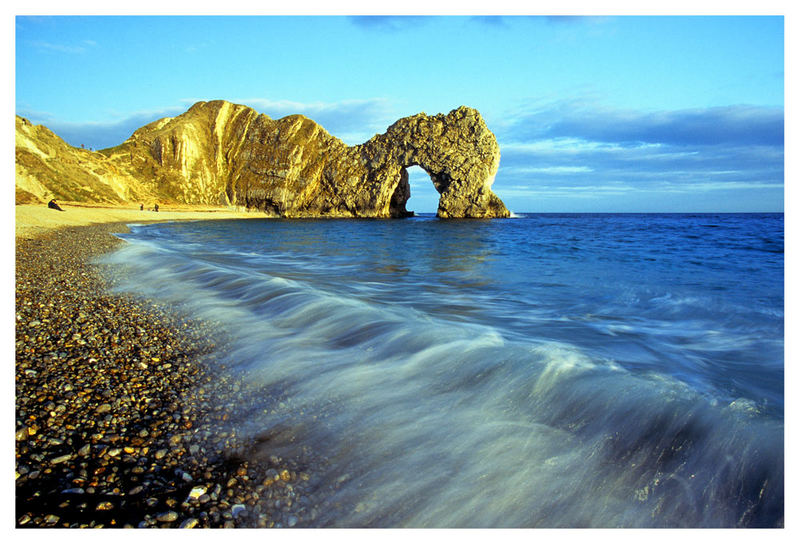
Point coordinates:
[[141, 207], [156, 208], [52, 204]]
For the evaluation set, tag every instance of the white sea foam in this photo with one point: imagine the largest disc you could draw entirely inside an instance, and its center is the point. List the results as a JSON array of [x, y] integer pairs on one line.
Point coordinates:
[[423, 422]]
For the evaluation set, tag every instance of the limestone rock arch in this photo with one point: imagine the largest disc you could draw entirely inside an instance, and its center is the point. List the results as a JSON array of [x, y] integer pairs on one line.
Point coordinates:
[[458, 152]]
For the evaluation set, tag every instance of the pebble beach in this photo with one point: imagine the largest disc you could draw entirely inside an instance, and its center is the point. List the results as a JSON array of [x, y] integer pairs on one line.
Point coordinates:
[[122, 417]]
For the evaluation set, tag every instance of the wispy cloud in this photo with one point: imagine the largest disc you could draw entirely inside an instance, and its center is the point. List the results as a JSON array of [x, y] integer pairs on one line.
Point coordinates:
[[577, 19], [99, 135], [72, 49], [642, 165], [195, 48], [737, 124], [574, 149], [556, 170], [561, 19], [354, 121], [387, 22], [506, 20], [591, 191], [499, 21]]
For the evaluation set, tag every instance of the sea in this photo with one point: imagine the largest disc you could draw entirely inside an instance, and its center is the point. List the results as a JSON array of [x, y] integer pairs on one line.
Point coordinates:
[[546, 370]]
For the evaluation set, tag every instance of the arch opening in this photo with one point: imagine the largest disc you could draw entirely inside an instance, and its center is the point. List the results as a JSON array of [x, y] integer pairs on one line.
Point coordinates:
[[424, 196]]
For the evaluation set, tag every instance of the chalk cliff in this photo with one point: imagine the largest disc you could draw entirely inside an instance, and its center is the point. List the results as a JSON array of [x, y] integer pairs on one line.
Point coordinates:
[[223, 153]]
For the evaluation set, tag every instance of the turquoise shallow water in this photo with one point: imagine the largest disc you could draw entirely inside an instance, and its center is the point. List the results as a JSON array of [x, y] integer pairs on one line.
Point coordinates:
[[547, 370]]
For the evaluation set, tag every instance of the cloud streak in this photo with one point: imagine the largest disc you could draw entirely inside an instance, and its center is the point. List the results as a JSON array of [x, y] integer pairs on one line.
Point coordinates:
[[572, 149], [503, 21], [354, 121], [390, 23], [102, 134], [72, 49], [738, 124]]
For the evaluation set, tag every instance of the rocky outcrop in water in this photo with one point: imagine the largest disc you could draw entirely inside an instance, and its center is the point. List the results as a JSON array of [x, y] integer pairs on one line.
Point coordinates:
[[223, 153], [457, 150]]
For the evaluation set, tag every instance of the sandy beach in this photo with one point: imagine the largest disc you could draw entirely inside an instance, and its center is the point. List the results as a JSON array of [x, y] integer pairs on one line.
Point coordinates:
[[33, 219], [121, 416]]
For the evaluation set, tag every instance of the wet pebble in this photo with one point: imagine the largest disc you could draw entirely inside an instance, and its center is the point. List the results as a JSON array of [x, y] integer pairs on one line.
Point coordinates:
[[238, 509], [167, 516], [117, 414]]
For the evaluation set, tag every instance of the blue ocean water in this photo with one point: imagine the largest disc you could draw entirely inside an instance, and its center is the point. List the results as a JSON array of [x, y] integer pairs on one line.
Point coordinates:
[[549, 370]]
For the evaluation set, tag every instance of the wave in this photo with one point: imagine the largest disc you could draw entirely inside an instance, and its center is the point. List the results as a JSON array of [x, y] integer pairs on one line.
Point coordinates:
[[417, 421]]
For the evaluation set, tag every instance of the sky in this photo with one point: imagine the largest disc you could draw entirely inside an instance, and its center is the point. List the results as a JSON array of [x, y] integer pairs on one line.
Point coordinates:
[[592, 113]]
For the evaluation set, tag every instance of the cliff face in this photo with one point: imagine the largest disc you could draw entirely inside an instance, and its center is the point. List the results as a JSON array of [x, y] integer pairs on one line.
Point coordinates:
[[222, 153], [47, 167]]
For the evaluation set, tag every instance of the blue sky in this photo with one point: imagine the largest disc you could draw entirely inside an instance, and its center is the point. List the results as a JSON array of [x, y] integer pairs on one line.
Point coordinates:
[[605, 114]]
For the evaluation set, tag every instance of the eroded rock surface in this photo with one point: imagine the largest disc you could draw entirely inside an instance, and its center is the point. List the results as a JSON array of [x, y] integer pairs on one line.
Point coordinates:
[[457, 150], [223, 153]]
